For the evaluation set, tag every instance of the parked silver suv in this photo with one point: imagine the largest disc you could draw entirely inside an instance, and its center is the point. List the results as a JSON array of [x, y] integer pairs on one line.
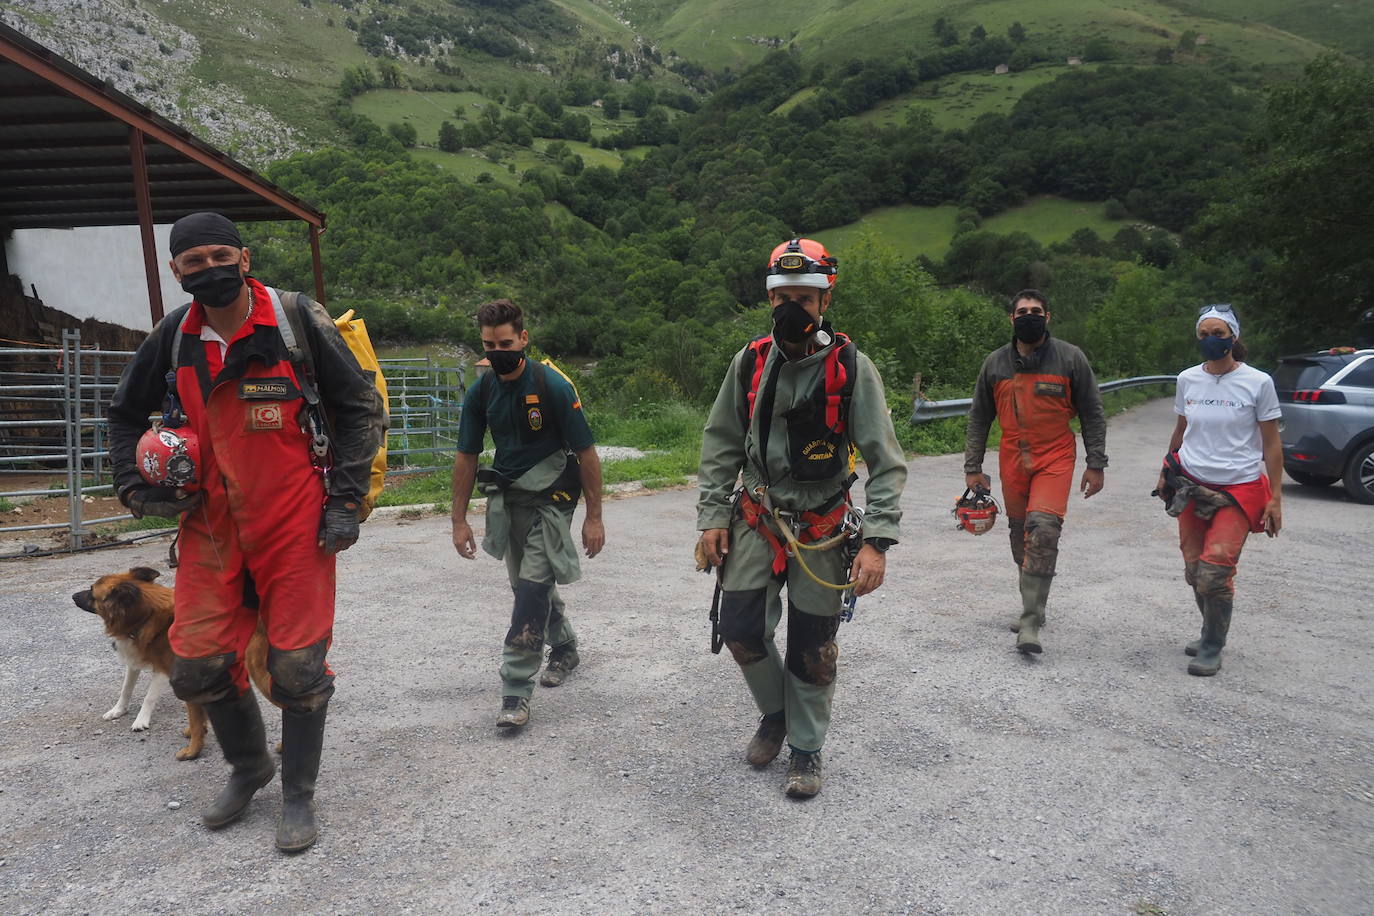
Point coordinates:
[[1327, 399]]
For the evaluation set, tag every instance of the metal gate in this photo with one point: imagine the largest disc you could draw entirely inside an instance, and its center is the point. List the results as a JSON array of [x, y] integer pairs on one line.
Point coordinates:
[[53, 427]]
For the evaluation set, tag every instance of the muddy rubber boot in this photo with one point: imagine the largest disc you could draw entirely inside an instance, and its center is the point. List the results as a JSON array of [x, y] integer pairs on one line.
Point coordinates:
[[1035, 591], [515, 712], [239, 730], [804, 774], [302, 741], [767, 741], [1216, 622], [1192, 647], [562, 659]]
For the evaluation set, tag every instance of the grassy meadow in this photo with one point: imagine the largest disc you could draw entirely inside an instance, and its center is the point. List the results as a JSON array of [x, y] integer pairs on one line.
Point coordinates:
[[929, 230]]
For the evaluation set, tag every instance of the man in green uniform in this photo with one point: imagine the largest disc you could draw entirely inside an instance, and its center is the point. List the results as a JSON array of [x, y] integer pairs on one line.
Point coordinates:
[[545, 459], [789, 415]]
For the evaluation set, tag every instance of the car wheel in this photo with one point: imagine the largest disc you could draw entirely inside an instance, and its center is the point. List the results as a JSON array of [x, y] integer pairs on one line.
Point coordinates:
[[1359, 474], [1311, 480]]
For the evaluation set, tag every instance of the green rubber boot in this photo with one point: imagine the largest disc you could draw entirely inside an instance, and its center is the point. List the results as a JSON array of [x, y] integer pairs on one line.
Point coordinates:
[[1035, 591], [1216, 622], [1192, 647]]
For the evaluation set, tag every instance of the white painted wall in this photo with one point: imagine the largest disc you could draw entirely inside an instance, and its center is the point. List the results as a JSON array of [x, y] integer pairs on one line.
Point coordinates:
[[93, 272]]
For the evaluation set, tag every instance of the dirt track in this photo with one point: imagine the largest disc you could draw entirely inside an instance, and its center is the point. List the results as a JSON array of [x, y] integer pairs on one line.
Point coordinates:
[[961, 778]]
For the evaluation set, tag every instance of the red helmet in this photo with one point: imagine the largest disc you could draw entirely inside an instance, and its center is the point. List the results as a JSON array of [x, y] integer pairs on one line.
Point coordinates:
[[170, 458], [976, 511], [801, 262]]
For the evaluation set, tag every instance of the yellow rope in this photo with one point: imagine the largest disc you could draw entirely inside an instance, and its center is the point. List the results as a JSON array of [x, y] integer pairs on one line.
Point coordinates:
[[797, 548]]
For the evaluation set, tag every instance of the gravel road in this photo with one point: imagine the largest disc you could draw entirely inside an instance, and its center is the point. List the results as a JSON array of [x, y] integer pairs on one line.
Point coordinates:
[[960, 777]]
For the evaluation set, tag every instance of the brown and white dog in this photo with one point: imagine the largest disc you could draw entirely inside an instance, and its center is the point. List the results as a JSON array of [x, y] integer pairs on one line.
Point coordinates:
[[137, 613]]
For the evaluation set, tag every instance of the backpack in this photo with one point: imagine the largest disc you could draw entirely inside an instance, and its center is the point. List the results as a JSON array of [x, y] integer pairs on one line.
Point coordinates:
[[291, 326], [818, 440]]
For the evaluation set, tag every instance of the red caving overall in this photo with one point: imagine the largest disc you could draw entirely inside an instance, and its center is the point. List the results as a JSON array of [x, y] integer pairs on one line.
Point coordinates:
[[262, 506]]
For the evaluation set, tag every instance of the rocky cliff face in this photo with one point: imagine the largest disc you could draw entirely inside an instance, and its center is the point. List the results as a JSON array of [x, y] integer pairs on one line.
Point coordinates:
[[152, 61]]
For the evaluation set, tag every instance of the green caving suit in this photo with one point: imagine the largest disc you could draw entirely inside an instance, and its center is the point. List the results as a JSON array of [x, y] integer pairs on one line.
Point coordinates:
[[751, 608], [527, 527]]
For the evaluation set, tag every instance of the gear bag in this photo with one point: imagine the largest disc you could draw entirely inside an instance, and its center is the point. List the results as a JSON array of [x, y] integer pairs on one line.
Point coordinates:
[[291, 326], [818, 442]]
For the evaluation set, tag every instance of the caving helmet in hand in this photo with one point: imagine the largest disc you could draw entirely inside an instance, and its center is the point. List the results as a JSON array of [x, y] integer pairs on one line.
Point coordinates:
[[976, 511], [170, 458]]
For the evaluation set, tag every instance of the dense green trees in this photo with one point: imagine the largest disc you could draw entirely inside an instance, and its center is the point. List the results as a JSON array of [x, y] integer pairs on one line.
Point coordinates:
[[1301, 215]]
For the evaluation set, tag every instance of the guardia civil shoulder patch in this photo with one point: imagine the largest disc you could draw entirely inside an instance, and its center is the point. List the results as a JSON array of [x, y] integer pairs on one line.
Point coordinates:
[[536, 419]]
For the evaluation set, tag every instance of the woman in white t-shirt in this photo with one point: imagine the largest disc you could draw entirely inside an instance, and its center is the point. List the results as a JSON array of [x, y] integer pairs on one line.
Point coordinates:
[[1226, 440]]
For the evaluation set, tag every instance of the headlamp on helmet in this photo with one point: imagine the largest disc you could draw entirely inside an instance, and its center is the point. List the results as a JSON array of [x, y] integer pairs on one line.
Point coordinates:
[[976, 511], [801, 262]]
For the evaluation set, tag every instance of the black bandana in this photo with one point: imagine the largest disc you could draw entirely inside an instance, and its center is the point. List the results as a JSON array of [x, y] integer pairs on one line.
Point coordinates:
[[203, 229]]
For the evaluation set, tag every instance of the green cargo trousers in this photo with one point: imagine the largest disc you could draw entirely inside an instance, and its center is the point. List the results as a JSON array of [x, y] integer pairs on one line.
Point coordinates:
[[802, 684], [539, 613]]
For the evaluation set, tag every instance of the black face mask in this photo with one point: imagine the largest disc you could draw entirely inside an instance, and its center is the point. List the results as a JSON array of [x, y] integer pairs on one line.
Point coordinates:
[[792, 323], [214, 287], [504, 362], [1029, 328]]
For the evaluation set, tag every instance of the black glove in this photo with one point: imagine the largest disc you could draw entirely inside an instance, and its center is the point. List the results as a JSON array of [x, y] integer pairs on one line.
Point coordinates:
[[146, 499], [339, 525]]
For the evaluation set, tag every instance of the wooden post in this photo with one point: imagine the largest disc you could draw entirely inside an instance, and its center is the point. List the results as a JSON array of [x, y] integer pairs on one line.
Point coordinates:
[[319, 266], [145, 222]]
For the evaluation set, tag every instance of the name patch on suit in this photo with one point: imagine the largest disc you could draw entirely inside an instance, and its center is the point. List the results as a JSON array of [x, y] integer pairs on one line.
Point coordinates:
[[267, 389], [1052, 389]]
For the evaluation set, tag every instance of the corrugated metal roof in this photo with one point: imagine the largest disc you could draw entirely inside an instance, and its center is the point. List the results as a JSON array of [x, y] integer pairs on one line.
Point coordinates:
[[65, 154]]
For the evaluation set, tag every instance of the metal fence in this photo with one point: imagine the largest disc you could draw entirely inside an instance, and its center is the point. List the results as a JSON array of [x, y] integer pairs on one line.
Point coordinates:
[[54, 433], [924, 411], [425, 402]]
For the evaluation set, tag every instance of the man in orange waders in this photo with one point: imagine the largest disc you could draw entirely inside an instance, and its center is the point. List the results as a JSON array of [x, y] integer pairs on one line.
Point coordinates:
[[266, 520], [1034, 386]]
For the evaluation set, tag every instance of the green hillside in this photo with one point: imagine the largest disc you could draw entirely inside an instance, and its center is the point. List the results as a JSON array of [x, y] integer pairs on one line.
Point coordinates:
[[734, 33], [955, 102]]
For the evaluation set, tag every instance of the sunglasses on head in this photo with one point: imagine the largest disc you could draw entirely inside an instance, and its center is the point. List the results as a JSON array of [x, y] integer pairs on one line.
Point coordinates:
[[1219, 307]]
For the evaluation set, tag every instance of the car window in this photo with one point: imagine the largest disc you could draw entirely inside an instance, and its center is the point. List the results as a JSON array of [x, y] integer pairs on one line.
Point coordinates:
[[1299, 374], [1362, 376]]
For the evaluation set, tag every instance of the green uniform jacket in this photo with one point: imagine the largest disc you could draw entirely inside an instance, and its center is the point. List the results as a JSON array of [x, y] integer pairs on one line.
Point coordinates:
[[728, 447]]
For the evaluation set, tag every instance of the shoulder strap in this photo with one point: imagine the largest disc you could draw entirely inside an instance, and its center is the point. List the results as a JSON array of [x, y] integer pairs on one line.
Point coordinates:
[[291, 326], [751, 369]]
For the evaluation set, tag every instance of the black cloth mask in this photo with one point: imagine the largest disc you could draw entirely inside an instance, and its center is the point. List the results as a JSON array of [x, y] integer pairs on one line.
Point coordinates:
[[504, 362], [214, 287], [792, 323], [1029, 328]]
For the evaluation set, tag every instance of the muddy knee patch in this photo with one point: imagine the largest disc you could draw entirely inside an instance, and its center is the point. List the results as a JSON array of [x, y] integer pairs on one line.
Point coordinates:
[[1016, 534], [747, 653], [529, 616], [1042, 543], [812, 654], [742, 624], [203, 680], [300, 678], [1214, 581], [1190, 574]]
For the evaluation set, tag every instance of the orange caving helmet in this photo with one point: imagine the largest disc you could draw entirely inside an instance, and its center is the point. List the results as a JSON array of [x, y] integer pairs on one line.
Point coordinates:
[[801, 262], [976, 511], [170, 458]]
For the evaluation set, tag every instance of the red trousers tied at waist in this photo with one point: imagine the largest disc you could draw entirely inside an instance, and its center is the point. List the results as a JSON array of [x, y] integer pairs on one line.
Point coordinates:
[[815, 526]]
